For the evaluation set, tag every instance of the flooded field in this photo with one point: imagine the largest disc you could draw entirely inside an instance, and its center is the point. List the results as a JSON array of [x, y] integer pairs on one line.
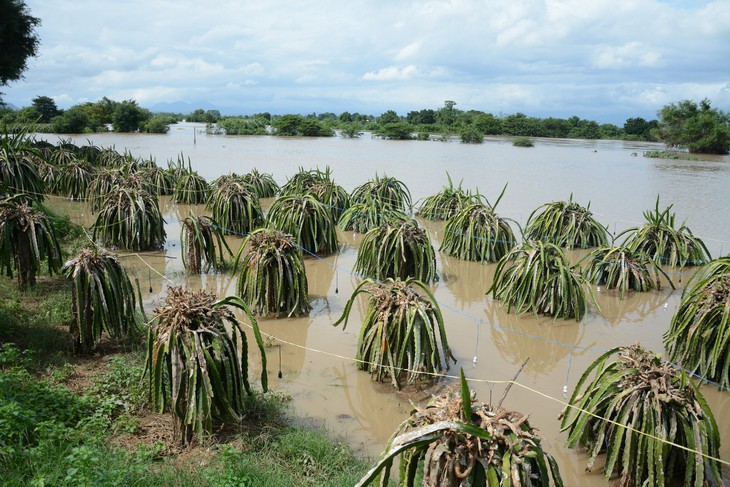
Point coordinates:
[[317, 359]]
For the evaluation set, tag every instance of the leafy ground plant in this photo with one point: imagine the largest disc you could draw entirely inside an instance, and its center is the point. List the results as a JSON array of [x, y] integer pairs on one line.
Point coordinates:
[[659, 239], [73, 179], [621, 268], [272, 280], [454, 440], [537, 277], [202, 244], [130, 219], [307, 220], [197, 361], [566, 224], [402, 334], [649, 419], [27, 237], [397, 249], [446, 203], [103, 298], [699, 334]]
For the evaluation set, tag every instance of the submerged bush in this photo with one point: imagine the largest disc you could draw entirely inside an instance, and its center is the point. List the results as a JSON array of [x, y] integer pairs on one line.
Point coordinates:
[[631, 406], [307, 220], [387, 192], [621, 268], [537, 277], [402, 334], [130, 219], [665, 244], [477, 233], [235, 207], [454, 440], [566, 224], [272, 280], [202, 244], [698, 338], [397, 249], [446, 203]]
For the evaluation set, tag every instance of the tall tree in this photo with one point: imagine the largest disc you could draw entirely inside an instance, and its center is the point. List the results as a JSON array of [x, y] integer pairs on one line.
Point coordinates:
[[18, 40], [128, 116], [698, 128], [46, 107]]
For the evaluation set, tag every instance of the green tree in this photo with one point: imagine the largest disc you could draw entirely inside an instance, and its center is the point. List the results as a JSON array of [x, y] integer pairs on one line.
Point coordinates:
[[286, 124], [46, 107], [639, 128], [699, 128], [388, 117], [128, 116], [75, 120], [395, 131], [18, 40]]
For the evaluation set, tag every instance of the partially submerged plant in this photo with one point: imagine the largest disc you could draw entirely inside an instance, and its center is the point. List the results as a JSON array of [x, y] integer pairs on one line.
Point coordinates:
[[477, 233], [304, 179], [307, 220], [197, 361], [73, 180], [537, 277], [635, 408], [623, 269], [364, 216], [402, 334], [27, 238], [665, 244], [454, 440], [202, 244], [386, 191], [320, 185], [263, 184], [103, 183], [397, 249], [235, 207], [130, 219], [103, 299], [446, 203], [698, 338], [272, 280], [163, 181], [190, 188], [566, 224]]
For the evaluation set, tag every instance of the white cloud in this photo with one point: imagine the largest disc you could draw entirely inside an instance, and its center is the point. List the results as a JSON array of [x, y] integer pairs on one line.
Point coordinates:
[[408, 51], [583, 57], [392, 73], [627, 55]]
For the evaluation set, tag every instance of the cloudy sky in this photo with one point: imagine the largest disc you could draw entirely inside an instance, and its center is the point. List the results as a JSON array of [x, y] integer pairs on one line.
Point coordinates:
[[605, 60]]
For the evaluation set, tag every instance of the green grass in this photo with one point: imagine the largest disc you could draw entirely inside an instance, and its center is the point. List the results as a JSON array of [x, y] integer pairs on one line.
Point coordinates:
[[57, 430]]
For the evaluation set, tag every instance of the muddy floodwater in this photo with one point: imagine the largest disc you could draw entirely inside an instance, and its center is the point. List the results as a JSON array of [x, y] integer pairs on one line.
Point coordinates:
[[318, 370]]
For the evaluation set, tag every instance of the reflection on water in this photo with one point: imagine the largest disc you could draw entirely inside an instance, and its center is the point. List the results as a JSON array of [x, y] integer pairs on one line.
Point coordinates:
[[318, 370], [467, 281]]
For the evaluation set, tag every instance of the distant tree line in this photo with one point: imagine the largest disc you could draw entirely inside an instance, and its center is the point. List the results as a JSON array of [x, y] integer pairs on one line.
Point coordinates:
[[100, 116], [696, 127]]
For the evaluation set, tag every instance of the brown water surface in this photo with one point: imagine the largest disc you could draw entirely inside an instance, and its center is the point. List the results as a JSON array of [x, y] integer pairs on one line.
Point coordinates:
[[318, 370]]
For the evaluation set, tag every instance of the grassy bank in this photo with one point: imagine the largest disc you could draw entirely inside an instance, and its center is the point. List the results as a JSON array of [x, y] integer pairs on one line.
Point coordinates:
[[67, 420]]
